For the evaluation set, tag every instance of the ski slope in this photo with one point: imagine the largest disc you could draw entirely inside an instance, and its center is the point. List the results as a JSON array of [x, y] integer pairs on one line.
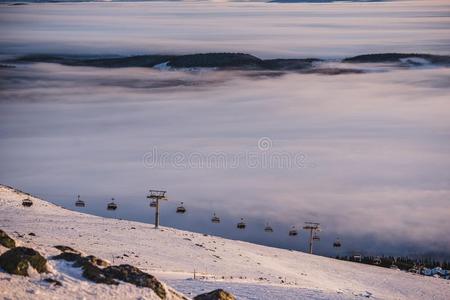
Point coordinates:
[[249, 271]]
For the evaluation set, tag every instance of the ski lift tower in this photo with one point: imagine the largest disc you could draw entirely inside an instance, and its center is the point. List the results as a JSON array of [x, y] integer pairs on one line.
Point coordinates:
[[313, 229], [156, 195]]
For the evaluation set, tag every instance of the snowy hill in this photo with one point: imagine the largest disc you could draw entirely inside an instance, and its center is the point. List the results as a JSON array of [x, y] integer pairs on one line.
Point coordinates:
[[247, 270]]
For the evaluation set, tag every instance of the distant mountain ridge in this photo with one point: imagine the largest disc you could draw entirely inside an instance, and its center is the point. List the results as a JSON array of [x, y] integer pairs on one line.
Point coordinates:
[[234, 61], [199, 60], [397, 57]]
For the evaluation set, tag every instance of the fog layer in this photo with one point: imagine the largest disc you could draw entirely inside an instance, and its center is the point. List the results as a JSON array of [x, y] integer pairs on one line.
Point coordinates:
[[374, 147]]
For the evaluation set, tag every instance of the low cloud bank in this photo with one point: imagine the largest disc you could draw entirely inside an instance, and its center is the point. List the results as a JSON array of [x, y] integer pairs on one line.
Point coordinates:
[[375, 145]]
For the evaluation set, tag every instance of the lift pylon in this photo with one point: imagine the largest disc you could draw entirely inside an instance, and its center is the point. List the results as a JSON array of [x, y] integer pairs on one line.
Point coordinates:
[[156, 195], [313, 228]]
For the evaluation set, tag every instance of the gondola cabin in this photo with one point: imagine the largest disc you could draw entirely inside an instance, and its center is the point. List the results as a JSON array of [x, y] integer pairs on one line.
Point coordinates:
[[316, 237], [153, 203], [111, 205], [215, 219], [268, 228], [79, 202], [293, 231], [241, 224], [27, 202], [337, 243], [181, 209]]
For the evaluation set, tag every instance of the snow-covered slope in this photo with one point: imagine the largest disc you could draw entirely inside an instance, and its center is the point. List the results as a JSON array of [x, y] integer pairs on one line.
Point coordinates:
[[248, 270]]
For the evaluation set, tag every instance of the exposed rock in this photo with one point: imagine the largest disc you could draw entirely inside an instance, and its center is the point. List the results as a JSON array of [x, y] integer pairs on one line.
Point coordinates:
[[6, 240], [97, 261], [110, 274], [53, 281], [18, 234], [27, 202], [218, 294], [135, 276], [17, 260], [95, 274], [88, 264], [32, 234], [66, 249], [69, 256]]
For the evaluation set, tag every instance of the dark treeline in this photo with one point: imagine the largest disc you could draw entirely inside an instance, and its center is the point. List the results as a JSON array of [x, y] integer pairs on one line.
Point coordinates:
[[403, 263]]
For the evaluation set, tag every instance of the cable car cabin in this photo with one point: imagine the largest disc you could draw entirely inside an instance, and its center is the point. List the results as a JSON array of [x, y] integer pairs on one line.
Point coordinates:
[[112, 205], [268, 228], [181, 209], [27, 202], [215, 219], [316, 238], [79, 202], [241, 224], [337, 243], [153, 203], [293, 231]]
